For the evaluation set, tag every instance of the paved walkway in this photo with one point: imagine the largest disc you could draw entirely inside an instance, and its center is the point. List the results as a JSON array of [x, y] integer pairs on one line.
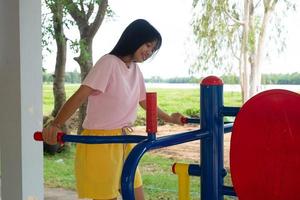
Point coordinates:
[[57, 194], [60, 194]]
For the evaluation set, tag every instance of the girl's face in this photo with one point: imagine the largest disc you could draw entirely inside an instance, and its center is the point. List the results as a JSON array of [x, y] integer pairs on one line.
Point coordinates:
[[144, 52]]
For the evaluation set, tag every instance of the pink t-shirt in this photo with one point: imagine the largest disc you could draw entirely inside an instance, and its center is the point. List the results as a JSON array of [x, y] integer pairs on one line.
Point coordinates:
[[118, 90]]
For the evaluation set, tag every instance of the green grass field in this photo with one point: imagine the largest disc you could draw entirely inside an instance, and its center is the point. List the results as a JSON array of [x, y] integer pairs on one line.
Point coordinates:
[[159, 181]]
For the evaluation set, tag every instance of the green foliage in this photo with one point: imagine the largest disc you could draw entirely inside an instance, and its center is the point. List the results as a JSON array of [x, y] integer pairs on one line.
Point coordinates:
[[230, 79], [291, 79], [157, 79], [47, 78], [47, 29], [154, 79], [218, 30], [81, 46], [70, 77], [52, 8], [214, 34], [83, 9]]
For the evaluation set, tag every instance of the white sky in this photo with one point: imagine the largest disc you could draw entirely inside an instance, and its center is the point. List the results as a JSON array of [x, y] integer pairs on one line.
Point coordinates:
[[172, 19], [288, 61]]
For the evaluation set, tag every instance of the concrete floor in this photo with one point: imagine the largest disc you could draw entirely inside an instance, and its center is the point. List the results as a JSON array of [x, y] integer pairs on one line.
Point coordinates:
[[57, 194]]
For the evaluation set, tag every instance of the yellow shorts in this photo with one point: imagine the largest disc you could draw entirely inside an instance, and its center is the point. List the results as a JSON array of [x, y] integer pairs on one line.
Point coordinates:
[[98, 167]]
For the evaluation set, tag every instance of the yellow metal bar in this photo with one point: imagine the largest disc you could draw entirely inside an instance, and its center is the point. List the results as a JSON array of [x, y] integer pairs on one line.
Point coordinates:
[[182, 170]]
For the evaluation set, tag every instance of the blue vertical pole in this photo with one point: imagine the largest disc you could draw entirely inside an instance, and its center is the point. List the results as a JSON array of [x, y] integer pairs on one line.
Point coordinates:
[[211, 103]]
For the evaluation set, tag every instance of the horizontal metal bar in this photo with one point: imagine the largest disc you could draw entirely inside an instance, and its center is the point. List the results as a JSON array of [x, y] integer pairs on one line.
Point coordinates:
[[193, 120], [103, 139], [179, 138], [194, 170], [230, 111], [228, 127], [227, 190]]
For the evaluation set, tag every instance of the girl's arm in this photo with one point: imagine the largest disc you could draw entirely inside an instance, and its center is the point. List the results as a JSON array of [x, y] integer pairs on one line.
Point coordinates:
[[174, 118], [72, 104], [67, 110]]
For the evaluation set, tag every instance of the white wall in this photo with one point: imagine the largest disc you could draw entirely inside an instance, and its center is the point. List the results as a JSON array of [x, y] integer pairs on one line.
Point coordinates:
[[20, 100]]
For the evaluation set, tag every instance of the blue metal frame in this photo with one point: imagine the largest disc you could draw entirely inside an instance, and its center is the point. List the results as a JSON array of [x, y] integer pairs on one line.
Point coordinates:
[[140, 149], [212, 164], [193, 120], [103, 139], [211, 134]]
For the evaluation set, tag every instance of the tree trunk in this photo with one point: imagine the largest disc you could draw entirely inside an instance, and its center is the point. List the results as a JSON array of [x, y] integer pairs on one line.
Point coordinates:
[[85, 66], [244, 69], [255, 78], [59, 74], [252, 57]]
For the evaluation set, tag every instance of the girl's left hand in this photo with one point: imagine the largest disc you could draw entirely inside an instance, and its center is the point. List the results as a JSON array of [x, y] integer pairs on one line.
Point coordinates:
[[176, 118]]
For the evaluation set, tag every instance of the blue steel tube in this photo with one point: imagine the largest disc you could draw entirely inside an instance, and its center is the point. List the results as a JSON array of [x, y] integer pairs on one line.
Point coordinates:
[[89, 139], [140, 149], [230, 111], [103, 139], [211, 104], [228, 127], [195, 170]]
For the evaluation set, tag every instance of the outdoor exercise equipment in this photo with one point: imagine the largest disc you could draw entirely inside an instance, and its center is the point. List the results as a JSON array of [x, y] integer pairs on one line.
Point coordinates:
[[211, 134], [265, 145]]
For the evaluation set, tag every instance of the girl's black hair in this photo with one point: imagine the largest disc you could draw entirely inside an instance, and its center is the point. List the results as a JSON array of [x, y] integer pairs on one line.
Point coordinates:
[[135, 35]]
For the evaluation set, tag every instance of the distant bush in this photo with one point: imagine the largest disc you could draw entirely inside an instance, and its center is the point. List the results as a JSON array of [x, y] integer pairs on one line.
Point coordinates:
[[192, 112]]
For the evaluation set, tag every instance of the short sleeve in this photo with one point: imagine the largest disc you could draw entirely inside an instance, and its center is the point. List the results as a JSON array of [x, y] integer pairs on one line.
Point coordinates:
[[99, 76], [142, 87]]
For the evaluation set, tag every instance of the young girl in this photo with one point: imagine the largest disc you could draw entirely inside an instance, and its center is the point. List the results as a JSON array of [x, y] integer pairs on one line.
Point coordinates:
[[114, 87]]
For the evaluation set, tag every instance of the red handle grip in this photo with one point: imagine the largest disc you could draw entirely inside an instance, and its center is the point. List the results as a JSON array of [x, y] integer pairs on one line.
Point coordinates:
[[38, 136], [151, 113]]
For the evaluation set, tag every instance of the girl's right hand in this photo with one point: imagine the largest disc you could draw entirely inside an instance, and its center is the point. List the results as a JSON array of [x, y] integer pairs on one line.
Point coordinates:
[[176, 118], [50, 134]]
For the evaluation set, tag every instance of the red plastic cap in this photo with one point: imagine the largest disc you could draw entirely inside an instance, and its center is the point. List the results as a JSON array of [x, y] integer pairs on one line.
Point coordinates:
[[37, 136], [212, 80], [174, 168]]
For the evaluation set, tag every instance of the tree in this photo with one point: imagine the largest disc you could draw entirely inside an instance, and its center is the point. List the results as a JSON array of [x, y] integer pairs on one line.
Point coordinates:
[[88, 22], [88, 16], [57, 10], [228, 30], [56, 30]]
